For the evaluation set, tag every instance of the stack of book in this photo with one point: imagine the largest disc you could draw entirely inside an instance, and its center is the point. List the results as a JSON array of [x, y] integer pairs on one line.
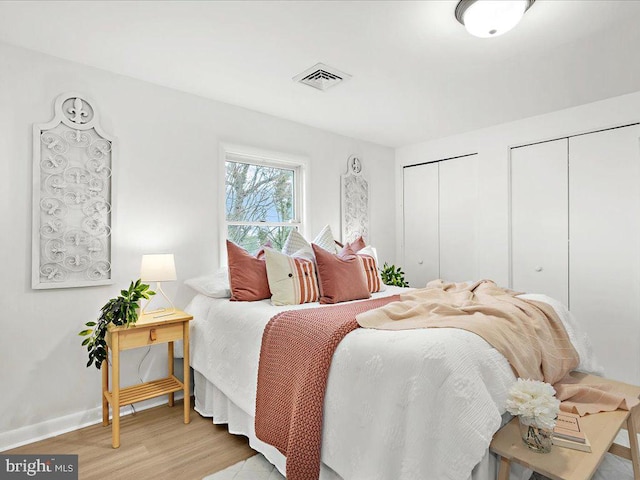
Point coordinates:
[[568, 433]]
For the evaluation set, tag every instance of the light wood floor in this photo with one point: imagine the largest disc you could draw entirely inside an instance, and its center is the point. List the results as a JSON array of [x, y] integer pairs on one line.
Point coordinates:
[[154, 444]]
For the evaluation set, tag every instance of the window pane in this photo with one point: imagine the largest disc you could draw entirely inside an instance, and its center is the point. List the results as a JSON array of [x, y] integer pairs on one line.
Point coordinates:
[[256, 193], [251, 238]]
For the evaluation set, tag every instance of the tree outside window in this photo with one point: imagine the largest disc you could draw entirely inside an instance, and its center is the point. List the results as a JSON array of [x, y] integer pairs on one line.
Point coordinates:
[[260, 203]]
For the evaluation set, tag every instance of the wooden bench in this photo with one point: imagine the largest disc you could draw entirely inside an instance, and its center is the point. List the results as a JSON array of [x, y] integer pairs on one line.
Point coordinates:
[[568, 464]]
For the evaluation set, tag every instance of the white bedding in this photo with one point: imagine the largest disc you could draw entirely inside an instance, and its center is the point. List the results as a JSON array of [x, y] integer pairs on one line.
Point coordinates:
[[405, 405]]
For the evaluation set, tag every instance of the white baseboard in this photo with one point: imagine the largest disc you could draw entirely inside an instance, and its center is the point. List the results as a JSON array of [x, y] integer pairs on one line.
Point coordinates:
[[57, 426]]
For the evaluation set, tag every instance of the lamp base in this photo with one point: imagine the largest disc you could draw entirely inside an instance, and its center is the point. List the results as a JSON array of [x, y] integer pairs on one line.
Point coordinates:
[[159, 312]]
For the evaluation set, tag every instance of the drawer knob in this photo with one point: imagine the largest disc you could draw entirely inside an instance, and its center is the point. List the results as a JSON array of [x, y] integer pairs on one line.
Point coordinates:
[[538, 269], [152, 335]]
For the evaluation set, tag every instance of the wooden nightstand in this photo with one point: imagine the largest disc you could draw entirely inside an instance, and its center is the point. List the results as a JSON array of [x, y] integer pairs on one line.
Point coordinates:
[[148, 330], [568, 464]]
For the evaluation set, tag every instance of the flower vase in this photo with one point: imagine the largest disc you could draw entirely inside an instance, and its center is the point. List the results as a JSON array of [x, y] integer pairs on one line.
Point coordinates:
[[536, 438]]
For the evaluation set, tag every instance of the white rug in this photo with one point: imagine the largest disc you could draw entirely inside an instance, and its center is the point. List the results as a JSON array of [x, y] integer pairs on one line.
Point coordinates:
[[258, 468], [254, 468]]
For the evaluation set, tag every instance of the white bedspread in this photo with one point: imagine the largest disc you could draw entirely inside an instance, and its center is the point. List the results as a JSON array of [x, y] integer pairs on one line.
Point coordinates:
[[405, 405]]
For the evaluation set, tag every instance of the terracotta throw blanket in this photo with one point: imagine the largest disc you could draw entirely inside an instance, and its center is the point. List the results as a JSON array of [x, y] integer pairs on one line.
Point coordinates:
[[297, 348], [528, 333]]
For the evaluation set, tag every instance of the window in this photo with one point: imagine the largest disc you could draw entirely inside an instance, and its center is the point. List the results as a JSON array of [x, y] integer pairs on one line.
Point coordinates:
[[263, 199]]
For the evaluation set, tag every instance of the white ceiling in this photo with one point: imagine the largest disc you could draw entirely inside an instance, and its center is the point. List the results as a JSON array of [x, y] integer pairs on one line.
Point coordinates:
[[417, 74]]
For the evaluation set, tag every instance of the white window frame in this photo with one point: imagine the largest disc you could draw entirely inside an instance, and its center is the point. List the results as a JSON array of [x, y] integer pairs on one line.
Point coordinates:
[[257, 156]]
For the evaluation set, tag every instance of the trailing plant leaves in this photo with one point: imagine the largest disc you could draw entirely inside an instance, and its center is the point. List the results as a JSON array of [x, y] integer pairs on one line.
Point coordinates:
[[121, 310]]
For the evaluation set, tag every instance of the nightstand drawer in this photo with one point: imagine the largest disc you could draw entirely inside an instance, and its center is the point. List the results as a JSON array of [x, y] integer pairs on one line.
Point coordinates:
[[141, 336]]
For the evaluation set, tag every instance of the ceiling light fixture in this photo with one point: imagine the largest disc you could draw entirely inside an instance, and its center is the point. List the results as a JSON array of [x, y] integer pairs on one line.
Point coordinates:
[[491, 18]]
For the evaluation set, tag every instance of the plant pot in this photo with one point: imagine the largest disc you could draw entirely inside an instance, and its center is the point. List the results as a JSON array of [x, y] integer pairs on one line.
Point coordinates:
[[536, 438]]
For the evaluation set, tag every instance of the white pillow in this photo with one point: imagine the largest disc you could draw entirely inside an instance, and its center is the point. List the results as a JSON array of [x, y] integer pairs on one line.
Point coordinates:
[[215, 285], [326, 240], [371, 251], [296, 242]]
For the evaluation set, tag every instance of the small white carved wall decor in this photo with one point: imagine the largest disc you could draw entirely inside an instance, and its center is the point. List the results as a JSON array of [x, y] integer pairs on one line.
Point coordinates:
[[72, 197], [355, 201]]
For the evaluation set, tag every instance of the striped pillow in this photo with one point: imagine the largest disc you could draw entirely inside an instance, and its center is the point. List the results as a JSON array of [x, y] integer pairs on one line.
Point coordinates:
[[374, 281], [369, 259], [292, 279]]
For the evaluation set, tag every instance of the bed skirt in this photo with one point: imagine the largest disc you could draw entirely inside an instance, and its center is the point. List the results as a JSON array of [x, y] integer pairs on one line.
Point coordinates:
[[212, 403]]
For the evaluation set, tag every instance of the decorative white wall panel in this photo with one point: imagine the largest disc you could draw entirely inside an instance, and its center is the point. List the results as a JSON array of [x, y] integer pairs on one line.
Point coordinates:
[[355, 202], [72, 197]]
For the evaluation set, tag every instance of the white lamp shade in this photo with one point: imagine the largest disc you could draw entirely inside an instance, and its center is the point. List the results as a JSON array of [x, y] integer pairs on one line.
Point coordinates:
[[491, 18], [158, 268]]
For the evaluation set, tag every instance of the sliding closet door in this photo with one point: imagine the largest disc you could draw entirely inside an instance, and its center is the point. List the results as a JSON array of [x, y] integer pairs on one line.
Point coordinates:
[[539, 219], [421, 255], [458, 213], [604, 198]]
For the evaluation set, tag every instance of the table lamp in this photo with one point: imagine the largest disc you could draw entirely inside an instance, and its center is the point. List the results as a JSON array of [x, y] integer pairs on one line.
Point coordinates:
[[158, 268]]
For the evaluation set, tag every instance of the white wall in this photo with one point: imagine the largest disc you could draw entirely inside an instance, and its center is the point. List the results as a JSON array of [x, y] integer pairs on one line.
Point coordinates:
[[166, 202], [492, 204]]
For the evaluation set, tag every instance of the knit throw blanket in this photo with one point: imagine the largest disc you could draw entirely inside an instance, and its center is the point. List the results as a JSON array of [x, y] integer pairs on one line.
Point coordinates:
[[295, 356], [528, 333]]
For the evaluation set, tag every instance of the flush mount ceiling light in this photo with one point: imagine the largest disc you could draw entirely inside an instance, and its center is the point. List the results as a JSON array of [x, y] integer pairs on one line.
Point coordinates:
[[491, 18]]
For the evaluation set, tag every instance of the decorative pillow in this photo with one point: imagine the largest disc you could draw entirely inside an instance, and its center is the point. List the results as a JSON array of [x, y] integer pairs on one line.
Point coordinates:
[[215, 285], [247, 274], [292, 279], [340, 277], [369, 260], [326, 240], [296, 242], [358, 244]]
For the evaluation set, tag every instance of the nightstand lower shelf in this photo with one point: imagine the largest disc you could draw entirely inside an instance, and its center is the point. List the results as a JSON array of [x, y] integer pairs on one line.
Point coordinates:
[[145, 391]]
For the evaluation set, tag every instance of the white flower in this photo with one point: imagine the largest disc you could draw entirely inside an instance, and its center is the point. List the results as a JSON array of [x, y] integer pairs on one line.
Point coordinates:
[[534, 401]]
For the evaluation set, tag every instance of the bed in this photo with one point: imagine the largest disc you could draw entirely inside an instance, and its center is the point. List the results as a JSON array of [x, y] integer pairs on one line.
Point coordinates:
[[399, 405]]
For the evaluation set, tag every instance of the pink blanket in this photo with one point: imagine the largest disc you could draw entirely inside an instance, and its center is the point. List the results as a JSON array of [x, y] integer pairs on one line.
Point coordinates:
[[297, 348], [529, 334]]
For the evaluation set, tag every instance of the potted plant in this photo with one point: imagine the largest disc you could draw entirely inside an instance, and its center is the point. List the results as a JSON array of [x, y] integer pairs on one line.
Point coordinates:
[[393, 276], [122, 310]]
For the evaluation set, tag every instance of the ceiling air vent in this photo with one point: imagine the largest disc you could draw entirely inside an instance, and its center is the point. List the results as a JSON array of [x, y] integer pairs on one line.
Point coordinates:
[[322, 77]]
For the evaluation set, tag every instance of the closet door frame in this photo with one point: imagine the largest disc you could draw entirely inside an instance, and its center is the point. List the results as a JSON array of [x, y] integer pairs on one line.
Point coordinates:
[[509, 173], [404, 167]]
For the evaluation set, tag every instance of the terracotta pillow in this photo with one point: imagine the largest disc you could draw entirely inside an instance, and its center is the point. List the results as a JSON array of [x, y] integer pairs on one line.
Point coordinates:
[[368, 257], [247, 274], [340, 277], [357, 244]]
